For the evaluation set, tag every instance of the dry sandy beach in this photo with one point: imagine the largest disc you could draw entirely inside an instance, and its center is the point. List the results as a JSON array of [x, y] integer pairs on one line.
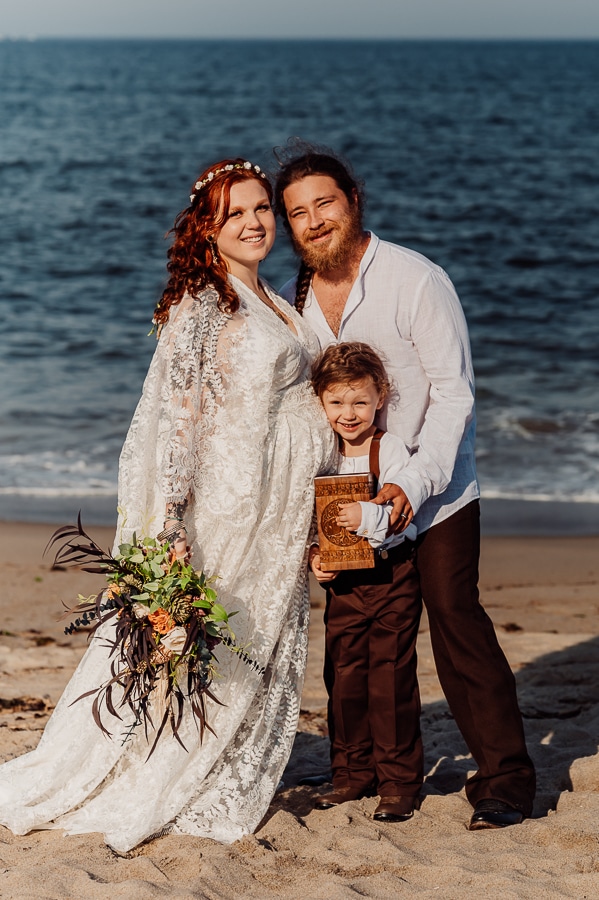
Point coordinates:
[[543, 595]]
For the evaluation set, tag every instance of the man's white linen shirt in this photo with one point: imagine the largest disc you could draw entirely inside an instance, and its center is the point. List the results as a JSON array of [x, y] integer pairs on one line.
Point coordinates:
[[407, 309], [374, 525]]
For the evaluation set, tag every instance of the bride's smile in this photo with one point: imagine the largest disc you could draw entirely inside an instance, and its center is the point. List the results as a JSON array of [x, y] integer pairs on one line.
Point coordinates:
[[248, 233]]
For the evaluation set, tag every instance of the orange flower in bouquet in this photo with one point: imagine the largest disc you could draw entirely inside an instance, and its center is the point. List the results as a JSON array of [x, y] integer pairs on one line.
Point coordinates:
[[161, 621]]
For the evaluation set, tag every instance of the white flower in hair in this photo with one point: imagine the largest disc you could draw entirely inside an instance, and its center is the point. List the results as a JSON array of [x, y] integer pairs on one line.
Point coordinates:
[[247, 165]]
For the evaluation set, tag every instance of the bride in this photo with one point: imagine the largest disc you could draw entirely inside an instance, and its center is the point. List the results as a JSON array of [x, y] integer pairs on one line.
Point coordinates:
[[220, 456]]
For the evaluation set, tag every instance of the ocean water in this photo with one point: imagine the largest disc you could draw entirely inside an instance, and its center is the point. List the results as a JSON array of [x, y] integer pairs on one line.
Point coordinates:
[[481, 155]]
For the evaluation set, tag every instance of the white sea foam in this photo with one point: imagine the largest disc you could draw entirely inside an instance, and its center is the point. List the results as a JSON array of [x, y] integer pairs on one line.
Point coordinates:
[[558, 497], [51, 474], [106, 491]]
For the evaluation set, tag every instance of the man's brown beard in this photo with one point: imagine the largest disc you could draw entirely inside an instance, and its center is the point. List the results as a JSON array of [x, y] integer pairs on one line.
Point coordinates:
[[347, 232]]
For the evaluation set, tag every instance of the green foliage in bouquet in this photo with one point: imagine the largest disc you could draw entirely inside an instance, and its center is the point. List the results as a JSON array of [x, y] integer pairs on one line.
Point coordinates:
[[167, 622]]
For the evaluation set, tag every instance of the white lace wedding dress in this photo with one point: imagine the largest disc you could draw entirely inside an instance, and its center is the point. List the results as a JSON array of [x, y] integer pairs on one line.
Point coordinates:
[[227, 417]]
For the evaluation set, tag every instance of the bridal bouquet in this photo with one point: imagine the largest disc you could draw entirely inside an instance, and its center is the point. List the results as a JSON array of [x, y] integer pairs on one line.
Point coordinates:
[[167, 623]]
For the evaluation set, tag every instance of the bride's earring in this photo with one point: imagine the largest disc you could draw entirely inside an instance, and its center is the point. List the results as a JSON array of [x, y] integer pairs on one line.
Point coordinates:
[[213, 249]]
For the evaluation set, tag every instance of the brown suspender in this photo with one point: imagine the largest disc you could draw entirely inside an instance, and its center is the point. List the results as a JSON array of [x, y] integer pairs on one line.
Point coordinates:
[[375, 449]]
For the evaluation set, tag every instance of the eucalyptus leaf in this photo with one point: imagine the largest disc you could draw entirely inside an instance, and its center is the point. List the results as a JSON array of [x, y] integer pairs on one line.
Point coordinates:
[[152, 586]]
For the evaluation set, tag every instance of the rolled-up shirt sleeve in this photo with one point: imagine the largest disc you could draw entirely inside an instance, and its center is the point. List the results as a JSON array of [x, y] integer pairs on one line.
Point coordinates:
[[375, 522], [375, 525]]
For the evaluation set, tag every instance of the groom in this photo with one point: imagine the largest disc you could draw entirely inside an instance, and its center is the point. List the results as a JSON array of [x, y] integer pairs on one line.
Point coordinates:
[[351, 286]]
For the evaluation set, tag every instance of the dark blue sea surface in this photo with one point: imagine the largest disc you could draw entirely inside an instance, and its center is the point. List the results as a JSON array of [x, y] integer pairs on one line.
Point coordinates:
[[484, 156]]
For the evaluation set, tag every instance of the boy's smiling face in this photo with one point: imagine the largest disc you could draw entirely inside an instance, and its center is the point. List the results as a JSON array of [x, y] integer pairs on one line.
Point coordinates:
[[351, 409]]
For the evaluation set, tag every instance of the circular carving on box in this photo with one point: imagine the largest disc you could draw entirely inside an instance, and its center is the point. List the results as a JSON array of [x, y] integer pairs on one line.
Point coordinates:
[[336, 534]]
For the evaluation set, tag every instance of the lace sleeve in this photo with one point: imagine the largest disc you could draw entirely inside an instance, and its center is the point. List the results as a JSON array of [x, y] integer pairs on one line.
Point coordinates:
[[191, 388], [181, 391]]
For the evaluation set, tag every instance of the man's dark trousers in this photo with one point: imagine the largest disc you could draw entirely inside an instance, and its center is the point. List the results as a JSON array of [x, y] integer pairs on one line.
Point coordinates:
[[473, 671]]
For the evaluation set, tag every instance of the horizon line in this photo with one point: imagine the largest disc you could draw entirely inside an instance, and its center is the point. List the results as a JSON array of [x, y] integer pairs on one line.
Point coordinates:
[[295, 38]]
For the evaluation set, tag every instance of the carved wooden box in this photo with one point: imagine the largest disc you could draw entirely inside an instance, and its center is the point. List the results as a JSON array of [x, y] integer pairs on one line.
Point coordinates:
[[340, 548]]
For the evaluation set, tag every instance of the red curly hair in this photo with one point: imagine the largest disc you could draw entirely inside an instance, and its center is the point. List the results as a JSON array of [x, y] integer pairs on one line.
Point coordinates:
[[192, 264]]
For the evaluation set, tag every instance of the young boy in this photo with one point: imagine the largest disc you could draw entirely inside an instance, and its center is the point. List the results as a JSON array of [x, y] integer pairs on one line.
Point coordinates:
[[372, 615]]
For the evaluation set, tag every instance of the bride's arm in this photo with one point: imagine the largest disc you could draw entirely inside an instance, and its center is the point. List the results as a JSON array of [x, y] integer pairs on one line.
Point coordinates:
[[197, 362], [182, 404]]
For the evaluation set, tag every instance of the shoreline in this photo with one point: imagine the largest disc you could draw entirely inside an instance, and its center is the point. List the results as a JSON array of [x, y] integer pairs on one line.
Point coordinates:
[[499, 517]]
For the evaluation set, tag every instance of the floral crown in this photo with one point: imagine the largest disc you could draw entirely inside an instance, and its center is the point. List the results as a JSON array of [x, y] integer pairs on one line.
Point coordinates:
[[229, 168]]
